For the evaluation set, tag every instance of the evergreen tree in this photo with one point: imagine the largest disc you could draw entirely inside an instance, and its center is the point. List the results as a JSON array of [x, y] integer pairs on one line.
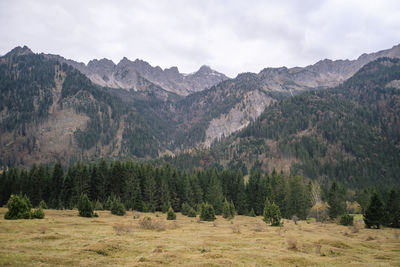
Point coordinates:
[[85, 206], [18, 208], [252, 213], [226, 210], [57, 179], [373, 216], [241, 203], [214, 193], [392, 210], [171, 214], [95, 183], [117, 207], [232, 209], [336, 201], [207, 212], [267, 211], [275, 215]]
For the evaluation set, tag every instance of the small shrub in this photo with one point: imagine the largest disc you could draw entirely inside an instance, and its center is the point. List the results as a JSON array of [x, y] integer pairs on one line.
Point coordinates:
[[85, 206], [149, 224], [346, 220], [228, 210], [185, 209], [37, 214], [42, 205], [117, 207], [98, 205], [292, 243], [123, 228], [136, 215], [171, 214], [42, 229], [354, 229], [252, 213], [295, 219], [258, 228], [192, 213], [207, 212], [18, 208], [236, 228]]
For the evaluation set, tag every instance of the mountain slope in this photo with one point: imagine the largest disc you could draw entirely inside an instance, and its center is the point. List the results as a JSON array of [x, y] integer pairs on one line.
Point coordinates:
[[350, 133]]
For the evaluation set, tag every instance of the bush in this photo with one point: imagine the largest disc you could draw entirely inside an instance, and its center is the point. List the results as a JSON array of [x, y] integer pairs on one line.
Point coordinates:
[[42, 205], [117, 207], [228, 210], [346, 220], [37, 214], [171, 214], [85, 206], [275, 215], [98, 205], [252, 213], [192, 213], [18, 208], [207, 212], [185, 209], [149, 224]]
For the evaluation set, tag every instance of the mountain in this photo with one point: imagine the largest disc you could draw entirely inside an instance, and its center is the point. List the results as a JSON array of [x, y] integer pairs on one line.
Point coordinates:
[[128, 75], [350, 133], [51, 109]]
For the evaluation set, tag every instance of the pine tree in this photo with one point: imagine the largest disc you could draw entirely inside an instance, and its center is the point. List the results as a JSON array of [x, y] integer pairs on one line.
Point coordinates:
[[57, 179], [392, 210], [267, 211], [226, 210], [85, 206], [214, 193], [373, 216], [117, 207], [207, 212], [171, 214], [252, 213], [18, 208], [336, 201], [275, 215], [241, 203]]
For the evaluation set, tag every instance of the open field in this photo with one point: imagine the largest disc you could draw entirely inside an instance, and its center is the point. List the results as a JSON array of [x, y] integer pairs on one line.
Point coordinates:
[[63, 238]]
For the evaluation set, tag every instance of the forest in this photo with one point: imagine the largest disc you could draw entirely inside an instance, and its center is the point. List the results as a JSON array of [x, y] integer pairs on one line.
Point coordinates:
[[147, 187]]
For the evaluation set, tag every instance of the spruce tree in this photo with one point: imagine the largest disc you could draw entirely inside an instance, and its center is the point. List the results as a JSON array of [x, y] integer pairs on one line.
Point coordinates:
[[267, 211], [275, 214], [171, 214], [214, 193], [392, 210], [373, 216], [18, 208], [117, 207], [85, 206], [226, 210], [207, 212], [336, 201]]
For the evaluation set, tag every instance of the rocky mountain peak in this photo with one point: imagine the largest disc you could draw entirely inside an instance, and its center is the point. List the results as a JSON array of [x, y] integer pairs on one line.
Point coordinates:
[[20, 51]]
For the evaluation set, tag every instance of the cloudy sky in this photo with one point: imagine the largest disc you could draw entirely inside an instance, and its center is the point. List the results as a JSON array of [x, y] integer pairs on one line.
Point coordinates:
[[230, 36]]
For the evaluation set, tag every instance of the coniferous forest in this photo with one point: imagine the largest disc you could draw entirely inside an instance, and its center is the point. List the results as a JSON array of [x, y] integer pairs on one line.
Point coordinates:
[[149, 188]]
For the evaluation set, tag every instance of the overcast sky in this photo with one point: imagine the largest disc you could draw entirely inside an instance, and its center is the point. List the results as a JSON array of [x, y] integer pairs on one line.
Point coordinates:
[[230, 36]]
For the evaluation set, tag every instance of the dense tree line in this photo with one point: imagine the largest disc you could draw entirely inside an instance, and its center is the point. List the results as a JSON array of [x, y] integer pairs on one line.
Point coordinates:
[[146, 187]]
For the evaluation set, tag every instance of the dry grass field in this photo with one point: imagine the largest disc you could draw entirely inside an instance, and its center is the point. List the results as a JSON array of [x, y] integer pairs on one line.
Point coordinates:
[[63, 238]]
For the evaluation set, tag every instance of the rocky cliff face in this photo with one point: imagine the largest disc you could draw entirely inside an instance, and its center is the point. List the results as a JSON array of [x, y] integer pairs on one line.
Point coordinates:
[[127, 74], [323, 74]]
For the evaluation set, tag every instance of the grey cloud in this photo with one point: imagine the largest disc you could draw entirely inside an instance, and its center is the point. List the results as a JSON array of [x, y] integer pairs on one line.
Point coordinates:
[[230, 36]]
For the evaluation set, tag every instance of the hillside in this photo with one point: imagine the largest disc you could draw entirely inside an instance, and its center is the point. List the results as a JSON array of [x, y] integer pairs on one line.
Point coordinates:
[[350, 133]]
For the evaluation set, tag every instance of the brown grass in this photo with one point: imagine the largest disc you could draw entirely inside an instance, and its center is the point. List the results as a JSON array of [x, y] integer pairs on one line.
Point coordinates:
[[123, 228], [63, 238]]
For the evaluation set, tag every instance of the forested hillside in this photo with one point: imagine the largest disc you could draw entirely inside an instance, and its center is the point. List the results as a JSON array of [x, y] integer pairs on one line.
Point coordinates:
[[350, 133]]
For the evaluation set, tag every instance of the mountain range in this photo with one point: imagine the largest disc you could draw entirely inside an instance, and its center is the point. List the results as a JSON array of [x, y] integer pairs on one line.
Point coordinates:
[[52, 108]]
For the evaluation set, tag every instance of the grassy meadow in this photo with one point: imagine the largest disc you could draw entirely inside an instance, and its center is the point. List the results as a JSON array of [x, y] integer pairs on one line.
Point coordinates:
[[63, 238]]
